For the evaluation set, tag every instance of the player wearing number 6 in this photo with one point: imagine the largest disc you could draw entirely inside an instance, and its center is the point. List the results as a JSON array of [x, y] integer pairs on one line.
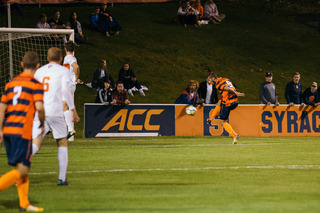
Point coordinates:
[[23, 96], [228, 100], [55, 79]]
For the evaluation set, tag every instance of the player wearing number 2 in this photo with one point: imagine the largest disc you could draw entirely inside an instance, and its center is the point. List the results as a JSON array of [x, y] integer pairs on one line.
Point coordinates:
[[228, 101], [55, 79], [23, 96]]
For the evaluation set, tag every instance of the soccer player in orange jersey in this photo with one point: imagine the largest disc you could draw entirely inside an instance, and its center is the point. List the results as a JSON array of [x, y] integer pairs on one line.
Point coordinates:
[[23, 96], [228, 101]]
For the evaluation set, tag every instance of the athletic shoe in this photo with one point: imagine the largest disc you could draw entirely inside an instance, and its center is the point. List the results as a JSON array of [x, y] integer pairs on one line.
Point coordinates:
[[70, 134], [130, 92], [235, 139], [63, 183], [141, 92], [31, 208], [208, 121]]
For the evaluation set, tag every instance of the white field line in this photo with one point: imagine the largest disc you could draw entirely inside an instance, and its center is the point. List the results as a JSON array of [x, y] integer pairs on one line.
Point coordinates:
[[298, 167]]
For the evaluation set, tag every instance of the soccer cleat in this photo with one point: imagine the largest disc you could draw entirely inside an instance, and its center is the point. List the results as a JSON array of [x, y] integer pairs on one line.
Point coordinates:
[[70, 134], [63, 183], [31, 208], [235, 139], [208, 121]]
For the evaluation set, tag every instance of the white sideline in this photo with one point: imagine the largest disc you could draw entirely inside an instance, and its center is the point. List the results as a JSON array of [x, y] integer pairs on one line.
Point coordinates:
[[298, 167]]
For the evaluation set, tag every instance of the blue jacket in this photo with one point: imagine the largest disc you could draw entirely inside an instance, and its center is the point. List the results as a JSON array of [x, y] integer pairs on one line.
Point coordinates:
[[293, 93], [184, 97]]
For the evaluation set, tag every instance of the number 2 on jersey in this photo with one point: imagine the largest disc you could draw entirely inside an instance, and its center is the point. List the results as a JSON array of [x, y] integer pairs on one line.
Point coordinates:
[[45, 83], [17, 90]]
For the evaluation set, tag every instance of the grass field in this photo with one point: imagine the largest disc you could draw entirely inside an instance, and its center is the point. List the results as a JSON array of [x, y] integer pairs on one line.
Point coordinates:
[[176, 174]]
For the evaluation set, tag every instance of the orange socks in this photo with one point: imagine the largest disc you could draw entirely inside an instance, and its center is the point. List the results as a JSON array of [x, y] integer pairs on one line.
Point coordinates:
[[8, 179], [23, 190], [229, 129], [215, 112]]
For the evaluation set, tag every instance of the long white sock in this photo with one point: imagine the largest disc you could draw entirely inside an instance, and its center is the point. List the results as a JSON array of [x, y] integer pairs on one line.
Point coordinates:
[[68, 118], [35, 149], [63, 162]]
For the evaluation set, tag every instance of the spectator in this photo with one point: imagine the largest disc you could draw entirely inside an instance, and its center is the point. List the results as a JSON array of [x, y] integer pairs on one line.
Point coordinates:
[[56, 23], [101, 75], [208, 92], [267, 91], [43, 24], [120, 95], [211, 12], [113, 27], [76, 26], [311, 95], [104, 12], [95, 20], [197, 6], [293, 93], [187, 15], [190, 95], [104, 95], [129, 79]]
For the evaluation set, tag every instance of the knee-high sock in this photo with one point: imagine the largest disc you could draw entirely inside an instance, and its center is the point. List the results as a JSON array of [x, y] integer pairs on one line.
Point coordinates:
[[63, 162], [23, 190], [68, 118], [215, 112], [8, 179], [35, 149], [229, 129]]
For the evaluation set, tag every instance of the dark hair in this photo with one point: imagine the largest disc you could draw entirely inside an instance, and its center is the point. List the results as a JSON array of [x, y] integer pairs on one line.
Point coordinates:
[[71, 15], [43, 15], [101, 62], [212, 75], [119, 82], [30, 60], [70, 46]]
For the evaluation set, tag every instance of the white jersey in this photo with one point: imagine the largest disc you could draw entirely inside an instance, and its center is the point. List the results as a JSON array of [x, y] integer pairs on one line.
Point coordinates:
[[55, 79], [67, 62]]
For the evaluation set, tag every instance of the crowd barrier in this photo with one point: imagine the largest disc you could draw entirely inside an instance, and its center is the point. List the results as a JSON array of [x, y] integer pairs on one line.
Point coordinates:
[[171, 120]]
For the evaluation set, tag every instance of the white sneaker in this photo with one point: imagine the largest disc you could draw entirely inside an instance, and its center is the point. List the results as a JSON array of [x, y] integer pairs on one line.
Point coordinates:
[[141, 92], [32, 208], [130, 92]]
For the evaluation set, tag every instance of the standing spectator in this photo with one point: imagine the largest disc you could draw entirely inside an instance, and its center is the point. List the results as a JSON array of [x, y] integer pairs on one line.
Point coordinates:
[[293, 93], [120, 95], [311, 95], [95, 20], [56, 23], [43, 24], [207, 91], [187, 15], [197, 6], [104, 95], [76, 26], [129, 79], [17, 132], [190, 95], [267, 91], [101, 75], [211, 12]]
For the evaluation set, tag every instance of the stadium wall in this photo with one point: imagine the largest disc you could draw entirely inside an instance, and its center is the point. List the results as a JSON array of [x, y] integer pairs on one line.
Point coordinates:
[[82, 1], [171, 120]]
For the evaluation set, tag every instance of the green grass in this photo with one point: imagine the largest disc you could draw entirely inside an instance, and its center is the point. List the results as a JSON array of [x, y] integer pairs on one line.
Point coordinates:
[[176, 174]]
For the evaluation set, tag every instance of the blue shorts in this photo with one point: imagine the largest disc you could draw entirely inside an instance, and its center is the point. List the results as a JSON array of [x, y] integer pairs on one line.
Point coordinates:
[[225, 111], [19, 150]]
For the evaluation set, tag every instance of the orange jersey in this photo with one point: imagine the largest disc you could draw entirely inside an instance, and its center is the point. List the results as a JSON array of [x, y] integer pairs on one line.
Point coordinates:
[[226, 97], [20, 95]]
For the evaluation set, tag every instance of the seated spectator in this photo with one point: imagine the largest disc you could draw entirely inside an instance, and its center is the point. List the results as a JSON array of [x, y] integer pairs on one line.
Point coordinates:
[[187, 15], [267, 91], [113, 27], [311, 95], [76, 26], [108, 23], [208, 92], [190, 95], [211, 12], [95, 20], [101, 75], [120, 95], [293, 92], [129, 79], [43, 24], [197, 6], [56, 23], [104, 95], [104, 10]]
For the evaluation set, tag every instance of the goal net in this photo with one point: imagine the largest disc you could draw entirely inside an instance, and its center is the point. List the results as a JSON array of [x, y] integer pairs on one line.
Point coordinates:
[[14, 42]]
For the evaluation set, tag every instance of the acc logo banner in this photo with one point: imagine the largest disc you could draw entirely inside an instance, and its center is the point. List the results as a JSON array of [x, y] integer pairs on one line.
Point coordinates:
[[131, 120]]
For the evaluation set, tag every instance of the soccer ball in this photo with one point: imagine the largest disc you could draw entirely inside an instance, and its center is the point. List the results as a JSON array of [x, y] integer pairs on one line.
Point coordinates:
[[191, 110]]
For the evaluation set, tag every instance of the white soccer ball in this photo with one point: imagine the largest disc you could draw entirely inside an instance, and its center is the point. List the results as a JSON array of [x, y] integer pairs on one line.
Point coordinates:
[[191, 110]]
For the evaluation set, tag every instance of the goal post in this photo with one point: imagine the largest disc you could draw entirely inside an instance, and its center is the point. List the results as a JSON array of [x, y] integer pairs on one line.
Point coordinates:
[[14, 42]]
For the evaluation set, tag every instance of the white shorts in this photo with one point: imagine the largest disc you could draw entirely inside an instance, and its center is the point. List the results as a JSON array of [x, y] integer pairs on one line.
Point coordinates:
[[57, 124]]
